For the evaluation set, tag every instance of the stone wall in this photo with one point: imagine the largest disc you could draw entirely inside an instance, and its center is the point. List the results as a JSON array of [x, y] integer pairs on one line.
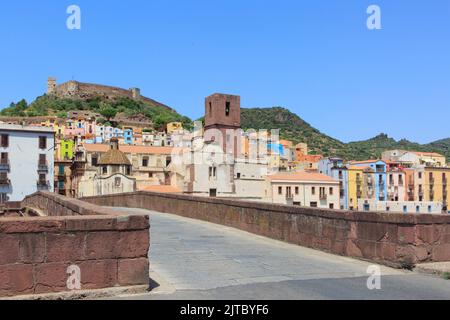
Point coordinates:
[[399, 240], [110, 249]]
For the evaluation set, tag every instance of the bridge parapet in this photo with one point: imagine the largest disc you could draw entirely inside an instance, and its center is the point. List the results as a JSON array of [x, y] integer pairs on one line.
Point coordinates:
[[108, 249], [399, 240]]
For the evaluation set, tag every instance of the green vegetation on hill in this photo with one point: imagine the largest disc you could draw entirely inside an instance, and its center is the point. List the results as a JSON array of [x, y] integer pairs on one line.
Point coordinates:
[[293, 128], [53, 106]]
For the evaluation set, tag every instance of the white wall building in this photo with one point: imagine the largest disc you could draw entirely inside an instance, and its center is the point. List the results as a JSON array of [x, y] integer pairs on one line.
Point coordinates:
[[27, 161], [400, 206]]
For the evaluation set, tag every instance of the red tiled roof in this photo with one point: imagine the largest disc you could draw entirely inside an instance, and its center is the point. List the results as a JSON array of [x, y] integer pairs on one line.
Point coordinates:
[[302, 176]]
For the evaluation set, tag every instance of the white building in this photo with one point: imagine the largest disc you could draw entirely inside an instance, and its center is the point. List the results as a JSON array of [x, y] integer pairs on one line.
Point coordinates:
[[27, 161], [400, 206], [303, 189]]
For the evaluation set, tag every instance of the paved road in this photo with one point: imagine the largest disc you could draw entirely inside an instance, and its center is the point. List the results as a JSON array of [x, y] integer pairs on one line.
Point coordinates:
[[198, 260]]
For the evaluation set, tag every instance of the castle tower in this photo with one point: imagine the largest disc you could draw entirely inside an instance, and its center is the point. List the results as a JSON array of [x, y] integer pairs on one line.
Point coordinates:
[[136, 93], [223, 114], [51, 85]]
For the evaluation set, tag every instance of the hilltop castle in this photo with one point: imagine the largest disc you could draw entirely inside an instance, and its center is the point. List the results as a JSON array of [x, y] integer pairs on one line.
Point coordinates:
[[75, 89]]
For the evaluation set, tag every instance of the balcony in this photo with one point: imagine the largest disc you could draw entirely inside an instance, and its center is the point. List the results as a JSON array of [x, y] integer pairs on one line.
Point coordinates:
[[5, 182], [43, 183], [43, 167], [5, 166]]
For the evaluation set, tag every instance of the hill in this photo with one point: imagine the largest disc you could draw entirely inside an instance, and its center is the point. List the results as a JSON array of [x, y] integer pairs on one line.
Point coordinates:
[[292, 127], [51, 105]]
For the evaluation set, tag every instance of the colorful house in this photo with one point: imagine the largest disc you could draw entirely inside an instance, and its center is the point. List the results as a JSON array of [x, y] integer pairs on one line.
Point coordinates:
[[66, 149], [379, 168], [335, 168]]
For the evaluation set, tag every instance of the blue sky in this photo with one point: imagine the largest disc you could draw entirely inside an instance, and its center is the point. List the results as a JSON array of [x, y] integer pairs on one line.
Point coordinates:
[[314, 57]]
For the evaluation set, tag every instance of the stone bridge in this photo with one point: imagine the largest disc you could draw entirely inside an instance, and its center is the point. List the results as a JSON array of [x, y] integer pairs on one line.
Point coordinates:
[[226, 249]]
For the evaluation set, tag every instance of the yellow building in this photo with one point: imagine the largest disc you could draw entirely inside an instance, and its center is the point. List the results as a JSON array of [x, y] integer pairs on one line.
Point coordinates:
[[360, 185], [431, 184]]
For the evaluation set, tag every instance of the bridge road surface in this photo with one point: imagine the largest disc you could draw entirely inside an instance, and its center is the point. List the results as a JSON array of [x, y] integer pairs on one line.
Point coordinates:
[[197, 260]]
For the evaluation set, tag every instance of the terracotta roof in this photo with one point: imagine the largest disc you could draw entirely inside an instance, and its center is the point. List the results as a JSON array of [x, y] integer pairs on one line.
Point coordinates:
[[130, 149], [302, 176], [162, 189], [365, 161], [114, 157], [431, 154], [311, 158], [358, 167]]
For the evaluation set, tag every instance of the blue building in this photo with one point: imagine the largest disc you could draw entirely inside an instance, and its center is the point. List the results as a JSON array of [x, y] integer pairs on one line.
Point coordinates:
[[335, 168], [380, 168], [128, 136]]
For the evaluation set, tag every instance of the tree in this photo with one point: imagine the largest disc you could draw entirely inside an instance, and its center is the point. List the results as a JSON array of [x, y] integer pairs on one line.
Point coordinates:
[[108, 112]]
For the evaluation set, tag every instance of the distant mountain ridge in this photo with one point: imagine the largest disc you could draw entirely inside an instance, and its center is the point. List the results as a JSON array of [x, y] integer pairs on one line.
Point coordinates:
[[294, 128]]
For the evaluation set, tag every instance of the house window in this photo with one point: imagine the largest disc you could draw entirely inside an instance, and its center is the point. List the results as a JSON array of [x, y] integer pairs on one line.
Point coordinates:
[[42, 160], [145, 162], [331, 205], [313, 191], [105, 169], [313, 204], [280, 190], [212, 172], [128, 170], [238, 175], [42, 142], [429, 209], [297, 190], [405, 209], [94, 160], [227, 109], [331, 191], [117, 181], [417, 209], [4, 159], [420, 175], [5, 141]]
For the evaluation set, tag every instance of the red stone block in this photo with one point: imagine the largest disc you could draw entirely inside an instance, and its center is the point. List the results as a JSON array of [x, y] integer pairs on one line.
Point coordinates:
[[51, 277], [133, 272], [35, 225], [97, 274], [441, 253], [133, 222], [90, 223], [9, 249], [32, 248], [102, 245], [428, 233], [16, 279], [133, 244], [67, 247], [406, 234]]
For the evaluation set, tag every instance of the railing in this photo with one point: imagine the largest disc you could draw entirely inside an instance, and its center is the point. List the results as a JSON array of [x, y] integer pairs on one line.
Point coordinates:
[[4, 165], [43, 167], [43, 183], [5, 182]]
